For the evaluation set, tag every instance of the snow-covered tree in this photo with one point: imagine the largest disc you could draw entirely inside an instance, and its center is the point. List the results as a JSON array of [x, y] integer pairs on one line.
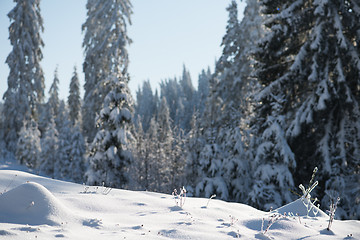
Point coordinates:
[[310, 58], [25, 80], [273, 162], [146, 105], [105, 42], [203, 90], [187, 99], [211, 173], [74, 100], [49, 148], [54, 100], [28, 147], [111, 151], [77, 155], [62, 168], [171, 90]]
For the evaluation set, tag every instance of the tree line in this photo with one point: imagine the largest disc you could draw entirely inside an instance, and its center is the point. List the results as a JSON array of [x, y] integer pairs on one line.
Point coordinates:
[[283, 98]]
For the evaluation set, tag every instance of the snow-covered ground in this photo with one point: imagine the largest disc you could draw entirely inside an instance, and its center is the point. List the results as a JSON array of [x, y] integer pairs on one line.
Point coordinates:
[[35, 207]]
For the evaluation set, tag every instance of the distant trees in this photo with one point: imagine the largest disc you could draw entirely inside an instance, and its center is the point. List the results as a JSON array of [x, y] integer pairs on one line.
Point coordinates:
[[25, 81], [283, 98], [74, 99]]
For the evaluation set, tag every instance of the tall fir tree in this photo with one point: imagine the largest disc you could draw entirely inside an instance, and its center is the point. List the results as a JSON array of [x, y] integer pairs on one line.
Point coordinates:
[[105, 42], [62, 165], [212, 179], [111, 151], [78, 163], [54, 100], [25, 80], [49, 148], [74, 99], [146, 105], [311, 59]]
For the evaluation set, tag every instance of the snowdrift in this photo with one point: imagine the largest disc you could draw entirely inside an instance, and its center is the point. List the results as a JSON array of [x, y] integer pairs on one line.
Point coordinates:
[[31, 204], [50, 209]]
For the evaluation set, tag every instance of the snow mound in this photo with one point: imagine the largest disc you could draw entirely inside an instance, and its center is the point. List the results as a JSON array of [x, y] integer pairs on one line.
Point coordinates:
[[302, 207], [31, 203]]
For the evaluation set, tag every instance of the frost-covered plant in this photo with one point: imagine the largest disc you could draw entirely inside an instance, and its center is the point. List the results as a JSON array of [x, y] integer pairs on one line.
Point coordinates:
[[179, 197], [212, 196], [273, 219], [306, 192], [332, 210], [306, 197]]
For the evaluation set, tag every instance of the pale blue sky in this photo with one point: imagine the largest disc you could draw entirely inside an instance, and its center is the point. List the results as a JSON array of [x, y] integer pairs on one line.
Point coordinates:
[[166, 34]]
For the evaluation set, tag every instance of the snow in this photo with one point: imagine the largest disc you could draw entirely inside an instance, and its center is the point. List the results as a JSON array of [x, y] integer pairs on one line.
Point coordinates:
[[35, 207]]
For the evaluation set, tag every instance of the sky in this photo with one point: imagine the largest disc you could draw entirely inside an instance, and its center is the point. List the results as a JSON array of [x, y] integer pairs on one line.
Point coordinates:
[[166, 34]]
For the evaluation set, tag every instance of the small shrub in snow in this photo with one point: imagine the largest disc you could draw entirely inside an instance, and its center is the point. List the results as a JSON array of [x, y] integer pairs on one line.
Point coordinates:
[[331, 211], [273, 219], [179, 197], [306, 197], [307, 191]]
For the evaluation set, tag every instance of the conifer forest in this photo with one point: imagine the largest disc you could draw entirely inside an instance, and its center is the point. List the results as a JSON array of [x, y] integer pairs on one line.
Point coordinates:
[[282, 100]]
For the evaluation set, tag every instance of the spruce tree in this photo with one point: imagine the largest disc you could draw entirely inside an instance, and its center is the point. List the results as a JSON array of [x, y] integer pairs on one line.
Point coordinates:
[[146, 105], [77, 156], [74, 100], [28, 147], [63, 161], [212, 179], [105, 42], [54, 101], [49, 148], [111, 151], [310, 59], [188, 100], [25, 80]]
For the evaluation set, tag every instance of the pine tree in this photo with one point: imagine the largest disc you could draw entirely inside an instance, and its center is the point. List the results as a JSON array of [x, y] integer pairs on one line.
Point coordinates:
[[28, 147], [54, 101], [203, 90], [105, 44], [188, 100], [140, 168], [165, 139], [212, 179], [273, 162], [311, 59], [25, 80], [171, 90], [74, 100], [63, 160], [111, 153], [146, 104], [49, 148], [77, 156]]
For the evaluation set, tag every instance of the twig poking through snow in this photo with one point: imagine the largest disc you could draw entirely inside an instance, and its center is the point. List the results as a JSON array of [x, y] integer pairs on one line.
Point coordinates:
[[179, 198], [333, 206], [212, 196]]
